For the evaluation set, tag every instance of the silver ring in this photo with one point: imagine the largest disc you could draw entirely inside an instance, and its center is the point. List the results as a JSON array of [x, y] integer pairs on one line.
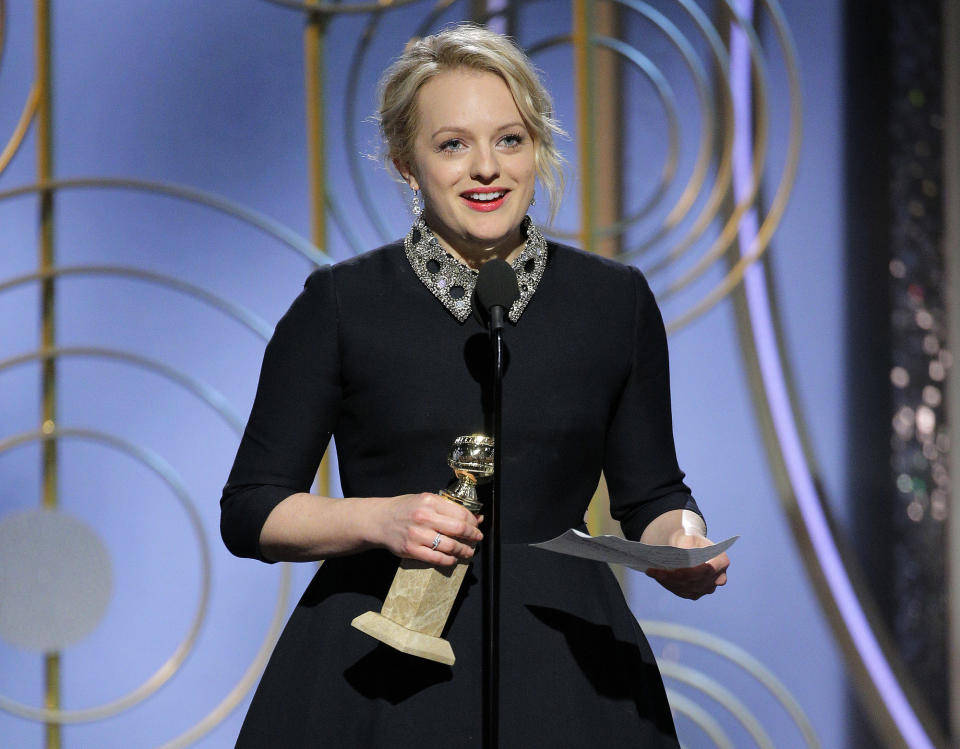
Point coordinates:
[[436, 542]]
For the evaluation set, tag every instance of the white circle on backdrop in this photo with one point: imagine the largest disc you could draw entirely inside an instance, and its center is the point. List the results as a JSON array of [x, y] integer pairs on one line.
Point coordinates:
[[55, 579]]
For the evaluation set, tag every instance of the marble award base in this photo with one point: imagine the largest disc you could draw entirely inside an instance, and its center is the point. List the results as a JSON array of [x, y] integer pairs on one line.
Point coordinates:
[[416, 610]]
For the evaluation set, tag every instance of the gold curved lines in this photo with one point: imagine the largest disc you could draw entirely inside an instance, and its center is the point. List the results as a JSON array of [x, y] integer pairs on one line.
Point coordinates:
[[344, 224], [778, 206], [741, 658], [220, 711], [23, 124], [332, 9], [249, 678], [698, 175], [779, 203], [720, 694], [242, 315], [730, 230], [259, 220], [163, 674], [722, 181], [216, 401], [350, 119], [206, 393], [669, 102], [682, 704]]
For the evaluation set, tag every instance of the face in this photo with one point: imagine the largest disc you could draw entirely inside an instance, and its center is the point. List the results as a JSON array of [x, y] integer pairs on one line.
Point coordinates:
[[473, 160]]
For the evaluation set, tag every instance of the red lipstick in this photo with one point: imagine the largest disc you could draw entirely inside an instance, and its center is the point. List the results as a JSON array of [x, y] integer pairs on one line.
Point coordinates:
[[484, 199]]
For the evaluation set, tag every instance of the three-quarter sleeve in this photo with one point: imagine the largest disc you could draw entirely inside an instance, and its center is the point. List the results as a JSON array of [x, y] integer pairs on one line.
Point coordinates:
[[293, 415], [640, 462]]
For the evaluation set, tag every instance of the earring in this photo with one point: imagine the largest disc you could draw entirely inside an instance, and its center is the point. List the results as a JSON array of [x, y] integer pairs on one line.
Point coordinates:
[[416, 205], [533, 200]]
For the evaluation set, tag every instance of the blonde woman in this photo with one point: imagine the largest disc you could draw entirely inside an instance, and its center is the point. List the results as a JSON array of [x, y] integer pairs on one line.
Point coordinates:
[[382, 352]]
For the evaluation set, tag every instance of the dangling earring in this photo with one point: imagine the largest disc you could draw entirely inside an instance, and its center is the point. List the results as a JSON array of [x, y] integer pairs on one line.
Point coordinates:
[[533, 200], [416, 205]]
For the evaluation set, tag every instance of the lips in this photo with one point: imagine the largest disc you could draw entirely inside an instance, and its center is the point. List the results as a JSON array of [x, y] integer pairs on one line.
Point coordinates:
[[484, 199]]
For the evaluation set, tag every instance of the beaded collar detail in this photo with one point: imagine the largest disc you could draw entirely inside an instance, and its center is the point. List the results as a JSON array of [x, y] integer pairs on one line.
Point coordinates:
[[452, 282]]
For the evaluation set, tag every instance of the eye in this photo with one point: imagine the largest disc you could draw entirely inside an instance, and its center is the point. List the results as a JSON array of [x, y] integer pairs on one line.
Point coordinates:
[[513, 140], [451, 146]]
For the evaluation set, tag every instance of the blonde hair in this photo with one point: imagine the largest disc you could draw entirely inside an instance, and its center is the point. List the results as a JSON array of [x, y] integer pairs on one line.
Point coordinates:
[[475, 48]]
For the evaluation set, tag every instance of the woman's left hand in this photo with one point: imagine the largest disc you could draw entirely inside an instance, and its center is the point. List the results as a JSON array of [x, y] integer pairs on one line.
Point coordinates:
[[693, 582]]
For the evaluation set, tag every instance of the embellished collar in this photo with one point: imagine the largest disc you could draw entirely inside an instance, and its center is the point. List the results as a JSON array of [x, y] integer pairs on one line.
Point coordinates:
[[452, 282]]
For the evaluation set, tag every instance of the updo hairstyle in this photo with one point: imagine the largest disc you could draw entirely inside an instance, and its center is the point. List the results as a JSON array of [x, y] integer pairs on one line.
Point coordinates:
[[475, 48]]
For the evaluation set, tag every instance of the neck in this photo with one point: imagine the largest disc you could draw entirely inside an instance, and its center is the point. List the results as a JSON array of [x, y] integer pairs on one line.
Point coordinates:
[[473, 255]]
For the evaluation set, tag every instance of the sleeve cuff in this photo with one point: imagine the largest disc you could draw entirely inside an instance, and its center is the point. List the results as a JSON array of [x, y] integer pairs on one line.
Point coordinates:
[[635, 522], [243, 511]]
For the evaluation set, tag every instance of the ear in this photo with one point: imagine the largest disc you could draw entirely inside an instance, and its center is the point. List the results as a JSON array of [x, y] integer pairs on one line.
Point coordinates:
[[407, 174]]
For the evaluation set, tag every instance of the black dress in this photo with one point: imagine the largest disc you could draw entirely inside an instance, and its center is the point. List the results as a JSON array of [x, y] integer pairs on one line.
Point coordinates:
[[368, 354]]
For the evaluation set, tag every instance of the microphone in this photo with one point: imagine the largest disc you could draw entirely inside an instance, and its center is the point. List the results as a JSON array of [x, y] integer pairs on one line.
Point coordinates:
[[495, 292]]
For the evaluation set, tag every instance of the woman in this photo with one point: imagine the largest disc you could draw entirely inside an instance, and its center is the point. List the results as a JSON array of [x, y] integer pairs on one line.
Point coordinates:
[[381, 351]]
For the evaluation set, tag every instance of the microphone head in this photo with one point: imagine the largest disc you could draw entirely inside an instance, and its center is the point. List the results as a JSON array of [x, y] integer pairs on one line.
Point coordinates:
[[496, 287]]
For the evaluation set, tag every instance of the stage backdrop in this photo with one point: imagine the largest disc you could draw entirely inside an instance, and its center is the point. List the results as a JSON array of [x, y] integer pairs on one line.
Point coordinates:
[[170, 180]]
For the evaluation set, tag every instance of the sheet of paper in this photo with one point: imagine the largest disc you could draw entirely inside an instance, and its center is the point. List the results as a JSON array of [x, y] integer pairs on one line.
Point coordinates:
[[631, 554]]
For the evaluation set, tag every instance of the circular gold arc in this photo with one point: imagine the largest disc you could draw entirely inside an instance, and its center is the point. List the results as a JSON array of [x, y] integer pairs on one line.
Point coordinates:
[[211, 396], [248, 319], [250, 676], [247, 680], [724, 175], [162, 675], [758, 162], [692, 189], [667, 101], [350, 118], [743, 659], [778, 206], [720, 694], [255, 218], [682, 704], [22, 126]]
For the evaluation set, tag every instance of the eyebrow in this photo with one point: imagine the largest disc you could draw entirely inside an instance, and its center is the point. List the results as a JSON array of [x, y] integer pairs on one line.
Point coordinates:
[[453, 129]]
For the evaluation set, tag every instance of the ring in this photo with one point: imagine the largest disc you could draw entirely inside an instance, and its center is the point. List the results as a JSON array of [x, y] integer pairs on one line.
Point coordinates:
[[436, 542]]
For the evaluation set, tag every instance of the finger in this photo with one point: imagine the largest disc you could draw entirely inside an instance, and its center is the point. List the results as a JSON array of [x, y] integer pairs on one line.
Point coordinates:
[[686, 587], [466, 531], [447, 547], [452, 510], [684, 574], [439, 519], [458, 529]]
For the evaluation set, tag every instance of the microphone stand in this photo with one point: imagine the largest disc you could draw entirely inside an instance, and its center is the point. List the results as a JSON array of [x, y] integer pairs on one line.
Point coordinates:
[[491, 576], [495, 292]]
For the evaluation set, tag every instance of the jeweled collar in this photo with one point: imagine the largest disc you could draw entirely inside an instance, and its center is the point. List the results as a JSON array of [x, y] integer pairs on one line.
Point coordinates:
[[452, 282]]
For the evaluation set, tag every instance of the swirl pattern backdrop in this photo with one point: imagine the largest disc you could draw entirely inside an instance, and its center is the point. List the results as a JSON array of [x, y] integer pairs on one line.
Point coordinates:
[[171, 173]]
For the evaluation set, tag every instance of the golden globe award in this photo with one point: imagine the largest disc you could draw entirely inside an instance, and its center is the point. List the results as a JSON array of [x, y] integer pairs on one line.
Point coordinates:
[[419, 601]]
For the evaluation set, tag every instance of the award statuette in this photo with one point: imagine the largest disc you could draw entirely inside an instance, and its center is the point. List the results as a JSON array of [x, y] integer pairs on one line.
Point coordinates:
[[419, 601]]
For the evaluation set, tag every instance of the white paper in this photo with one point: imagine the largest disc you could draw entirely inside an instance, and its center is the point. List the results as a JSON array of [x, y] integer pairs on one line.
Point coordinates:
[[632, 554]]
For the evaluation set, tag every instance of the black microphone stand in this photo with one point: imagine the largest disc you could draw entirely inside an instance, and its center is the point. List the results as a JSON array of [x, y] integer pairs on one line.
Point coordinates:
[[491, 692], [495, 292]]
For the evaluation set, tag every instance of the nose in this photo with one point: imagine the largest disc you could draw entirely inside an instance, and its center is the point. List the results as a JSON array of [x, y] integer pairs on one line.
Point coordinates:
[[485, 166]]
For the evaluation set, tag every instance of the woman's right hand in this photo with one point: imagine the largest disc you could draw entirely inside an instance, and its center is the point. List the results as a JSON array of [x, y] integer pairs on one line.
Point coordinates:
[[409, 526]]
